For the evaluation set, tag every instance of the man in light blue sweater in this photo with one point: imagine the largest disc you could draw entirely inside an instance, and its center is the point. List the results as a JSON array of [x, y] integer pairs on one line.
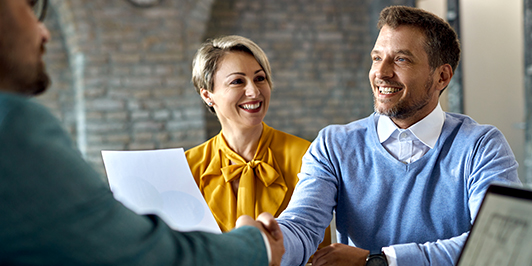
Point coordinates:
[[407, 181]]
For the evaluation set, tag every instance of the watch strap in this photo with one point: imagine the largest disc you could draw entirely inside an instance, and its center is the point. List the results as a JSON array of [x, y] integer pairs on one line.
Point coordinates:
[[377, 254]]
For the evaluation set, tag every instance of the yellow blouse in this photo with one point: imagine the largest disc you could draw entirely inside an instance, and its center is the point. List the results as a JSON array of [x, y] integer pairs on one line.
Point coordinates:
[[266, 182]]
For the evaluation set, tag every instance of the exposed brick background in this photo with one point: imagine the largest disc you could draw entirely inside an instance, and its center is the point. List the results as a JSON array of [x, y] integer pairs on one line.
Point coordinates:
[[121, 74]]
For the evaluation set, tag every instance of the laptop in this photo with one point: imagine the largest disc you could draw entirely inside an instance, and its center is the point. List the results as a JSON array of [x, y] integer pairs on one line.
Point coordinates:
[[501, 234]]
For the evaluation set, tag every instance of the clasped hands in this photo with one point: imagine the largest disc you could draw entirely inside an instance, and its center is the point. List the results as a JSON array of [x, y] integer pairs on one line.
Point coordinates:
[[334, 254], [267, 224]]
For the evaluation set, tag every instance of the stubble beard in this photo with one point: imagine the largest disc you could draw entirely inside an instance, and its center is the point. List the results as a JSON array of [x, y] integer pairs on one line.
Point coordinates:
[[41, 82], [404, 108], [26, 80]]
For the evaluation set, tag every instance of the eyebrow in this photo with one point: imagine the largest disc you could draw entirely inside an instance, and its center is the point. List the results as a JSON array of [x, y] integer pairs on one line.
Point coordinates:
[[405, 52], [243, 74], [401, 51]]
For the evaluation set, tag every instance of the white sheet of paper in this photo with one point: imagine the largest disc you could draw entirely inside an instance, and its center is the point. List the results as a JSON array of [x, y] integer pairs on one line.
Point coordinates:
[[159, 182]]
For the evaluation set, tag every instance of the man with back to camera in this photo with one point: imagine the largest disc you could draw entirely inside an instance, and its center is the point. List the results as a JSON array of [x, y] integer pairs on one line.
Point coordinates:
[[55, 209], [407, 181]]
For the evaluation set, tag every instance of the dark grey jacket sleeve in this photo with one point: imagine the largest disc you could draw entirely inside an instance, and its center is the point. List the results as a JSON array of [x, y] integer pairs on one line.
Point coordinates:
[[56, 210]]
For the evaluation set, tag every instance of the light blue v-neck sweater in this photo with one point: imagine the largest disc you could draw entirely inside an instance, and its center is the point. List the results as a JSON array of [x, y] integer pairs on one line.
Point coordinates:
[[424, 210]]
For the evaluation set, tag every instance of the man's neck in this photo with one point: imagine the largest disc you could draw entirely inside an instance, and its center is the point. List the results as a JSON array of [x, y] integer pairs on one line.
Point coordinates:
[[404, 123]]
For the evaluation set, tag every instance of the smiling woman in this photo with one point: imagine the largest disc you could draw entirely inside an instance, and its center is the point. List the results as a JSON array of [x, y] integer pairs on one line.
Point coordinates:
[[249, 167], [241, 94]]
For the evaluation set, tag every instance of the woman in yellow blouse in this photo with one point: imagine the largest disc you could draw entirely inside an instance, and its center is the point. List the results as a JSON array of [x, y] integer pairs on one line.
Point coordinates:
[[249, 167]]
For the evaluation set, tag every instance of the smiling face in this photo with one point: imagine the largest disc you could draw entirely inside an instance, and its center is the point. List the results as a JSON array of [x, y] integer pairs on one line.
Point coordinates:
[[22, 43], [241, 93], [404, 85]]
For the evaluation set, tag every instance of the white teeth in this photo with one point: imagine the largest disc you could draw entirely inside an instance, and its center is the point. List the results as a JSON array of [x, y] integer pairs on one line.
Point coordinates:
[[388, 90], [251, 106]]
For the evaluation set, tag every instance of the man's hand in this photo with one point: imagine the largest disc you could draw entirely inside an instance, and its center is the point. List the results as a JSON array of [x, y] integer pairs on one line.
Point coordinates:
[[267, 224], [340, 254]]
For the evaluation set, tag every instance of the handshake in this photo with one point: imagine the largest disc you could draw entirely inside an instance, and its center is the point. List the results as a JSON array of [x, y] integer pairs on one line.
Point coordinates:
[[270, 228], [334, 254]]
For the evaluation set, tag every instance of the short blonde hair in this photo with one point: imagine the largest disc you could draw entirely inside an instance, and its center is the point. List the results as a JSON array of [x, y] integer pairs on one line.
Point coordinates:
[[208, 56]]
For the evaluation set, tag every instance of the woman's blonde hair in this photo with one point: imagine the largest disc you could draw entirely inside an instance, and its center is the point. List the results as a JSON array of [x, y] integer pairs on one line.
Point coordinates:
[[208, 56]]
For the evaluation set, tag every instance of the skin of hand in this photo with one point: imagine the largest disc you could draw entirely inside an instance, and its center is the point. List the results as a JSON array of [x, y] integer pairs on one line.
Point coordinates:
[[267, 224], [340, 254]]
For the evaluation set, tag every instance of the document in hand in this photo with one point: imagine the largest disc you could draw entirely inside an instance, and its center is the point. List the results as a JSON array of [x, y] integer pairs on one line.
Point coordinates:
[[159, 182]]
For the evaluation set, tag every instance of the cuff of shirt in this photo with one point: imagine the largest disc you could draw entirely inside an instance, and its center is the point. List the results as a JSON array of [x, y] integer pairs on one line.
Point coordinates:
[[268, 248], [390, 256]]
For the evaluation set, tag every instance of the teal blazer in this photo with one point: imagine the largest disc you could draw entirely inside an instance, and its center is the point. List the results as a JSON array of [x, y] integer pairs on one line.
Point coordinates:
[[56, 210]]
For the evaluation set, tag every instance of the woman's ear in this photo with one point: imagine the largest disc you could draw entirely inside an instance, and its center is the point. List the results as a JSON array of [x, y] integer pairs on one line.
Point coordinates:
[[206, 96]]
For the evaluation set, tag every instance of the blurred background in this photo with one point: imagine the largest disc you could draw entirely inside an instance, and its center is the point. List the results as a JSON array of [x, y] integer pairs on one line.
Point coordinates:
[[121, 69]]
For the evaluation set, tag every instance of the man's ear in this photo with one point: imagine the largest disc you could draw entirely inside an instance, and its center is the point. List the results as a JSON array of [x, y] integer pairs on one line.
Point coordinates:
[[445, 73]]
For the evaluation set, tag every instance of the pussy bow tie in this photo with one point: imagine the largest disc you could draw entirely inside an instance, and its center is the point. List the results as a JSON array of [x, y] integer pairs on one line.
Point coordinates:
[[253, 197]]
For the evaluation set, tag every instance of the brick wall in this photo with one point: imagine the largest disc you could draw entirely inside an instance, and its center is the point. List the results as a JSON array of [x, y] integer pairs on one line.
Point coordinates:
[[319, 54], [121, 74]]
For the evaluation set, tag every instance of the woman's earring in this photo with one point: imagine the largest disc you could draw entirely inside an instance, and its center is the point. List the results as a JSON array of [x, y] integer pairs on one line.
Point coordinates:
[[210, 104]]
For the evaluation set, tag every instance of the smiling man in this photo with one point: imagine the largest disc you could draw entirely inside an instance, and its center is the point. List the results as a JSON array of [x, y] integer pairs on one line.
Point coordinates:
[[407, 181], [405, 86], [55, 209]]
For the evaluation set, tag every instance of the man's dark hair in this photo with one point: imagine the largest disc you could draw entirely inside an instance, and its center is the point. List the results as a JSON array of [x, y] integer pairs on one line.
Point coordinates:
[[442, 45]]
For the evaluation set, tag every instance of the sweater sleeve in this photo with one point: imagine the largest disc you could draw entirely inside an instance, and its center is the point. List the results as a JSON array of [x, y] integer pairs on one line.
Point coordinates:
[[56, 210], [490, 161], [310, 210]]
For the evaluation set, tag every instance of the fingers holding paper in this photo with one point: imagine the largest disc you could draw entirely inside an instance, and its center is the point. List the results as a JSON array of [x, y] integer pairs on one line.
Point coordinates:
[[267, 224]]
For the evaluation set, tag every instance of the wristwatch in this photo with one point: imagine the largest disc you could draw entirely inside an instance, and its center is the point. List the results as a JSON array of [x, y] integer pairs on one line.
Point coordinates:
[[376, 258]]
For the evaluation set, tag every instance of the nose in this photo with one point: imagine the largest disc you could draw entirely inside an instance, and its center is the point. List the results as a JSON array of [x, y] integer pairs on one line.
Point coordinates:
[[45, 33], [383, 70], [252, 90]]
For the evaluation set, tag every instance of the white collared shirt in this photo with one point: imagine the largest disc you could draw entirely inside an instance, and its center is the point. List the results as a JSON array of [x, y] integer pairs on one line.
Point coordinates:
[[408, 145]]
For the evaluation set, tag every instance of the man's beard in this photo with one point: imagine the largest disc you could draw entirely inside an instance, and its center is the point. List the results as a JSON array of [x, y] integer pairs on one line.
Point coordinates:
[[30, 81], [41, 82], [406, 108]]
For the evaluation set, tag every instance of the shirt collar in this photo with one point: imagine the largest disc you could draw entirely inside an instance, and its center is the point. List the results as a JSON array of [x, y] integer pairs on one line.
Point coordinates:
[[427, 130], [385, 127]]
